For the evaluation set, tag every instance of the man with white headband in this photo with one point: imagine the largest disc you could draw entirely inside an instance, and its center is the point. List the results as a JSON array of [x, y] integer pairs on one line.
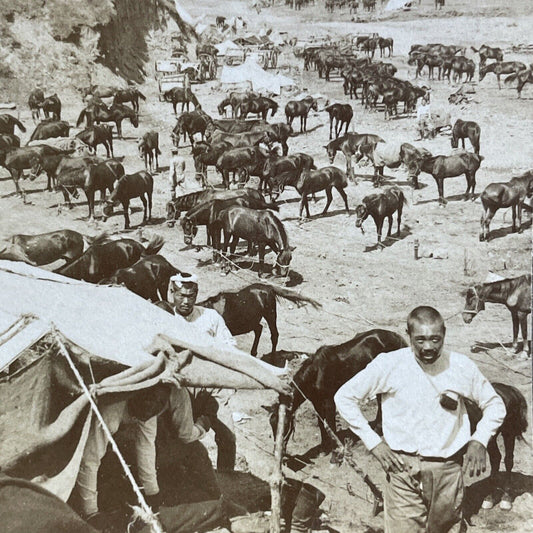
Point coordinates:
[[184, 291]]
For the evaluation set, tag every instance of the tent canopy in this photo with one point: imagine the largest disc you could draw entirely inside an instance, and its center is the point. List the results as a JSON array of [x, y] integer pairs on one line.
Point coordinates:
[[397, 4]]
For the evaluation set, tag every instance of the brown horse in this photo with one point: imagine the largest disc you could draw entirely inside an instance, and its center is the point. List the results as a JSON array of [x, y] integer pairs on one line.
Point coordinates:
[[514, 293], [51, 105], [300, 108], [35, 100], [499, 68], [149, 149], [488, 52], [278, 172], [509, 194], [131, 94], [178, 95], [116, 113], [138, 185], [98, 134], [342, 115], [244, 309], [466, 129], [259, 106], [50, 128], [8, 123], [259, 227]]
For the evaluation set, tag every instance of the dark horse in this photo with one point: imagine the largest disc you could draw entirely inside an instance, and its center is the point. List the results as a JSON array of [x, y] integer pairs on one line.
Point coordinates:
[[342, 115], [514, 293], [148, 278], [116, 113], [35, 100], [47, 248], [189, 123], [321, 376], [149, 149], [259, 227], [8, 123], [51, 105], [381, 206], [243, 310], [138, 185], [510, 194], [92, 136], [513, 427], [260, 106], [131, 94], [178, 95], [103, 260], [300, 108], [463, 129]]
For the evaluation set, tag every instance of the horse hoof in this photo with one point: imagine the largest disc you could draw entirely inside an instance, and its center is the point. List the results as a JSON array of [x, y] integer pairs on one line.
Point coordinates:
[[506, 504], [488, 503]]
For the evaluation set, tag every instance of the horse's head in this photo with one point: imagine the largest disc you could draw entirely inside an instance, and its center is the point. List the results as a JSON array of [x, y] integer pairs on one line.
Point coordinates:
[[274, 106], [529, 188], [143, 150], [134, 119], [189, 230], [361, 212], [36, 167], [107, 210], [454, 140], [222, 108], [473, 304], [331, 150], [283, 260], [314, 105]]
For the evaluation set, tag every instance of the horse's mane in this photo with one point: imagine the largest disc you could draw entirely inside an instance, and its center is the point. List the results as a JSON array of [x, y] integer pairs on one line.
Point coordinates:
[[278, 225]]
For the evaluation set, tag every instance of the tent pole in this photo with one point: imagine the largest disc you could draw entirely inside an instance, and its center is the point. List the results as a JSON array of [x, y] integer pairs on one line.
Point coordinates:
[[277, 474]]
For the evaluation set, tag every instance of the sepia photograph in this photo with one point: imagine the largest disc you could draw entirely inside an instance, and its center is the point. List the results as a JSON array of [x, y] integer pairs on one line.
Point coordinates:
[[265, 266]]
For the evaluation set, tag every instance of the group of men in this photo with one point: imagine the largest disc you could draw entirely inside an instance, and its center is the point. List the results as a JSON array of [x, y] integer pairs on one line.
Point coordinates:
[[426, 442]]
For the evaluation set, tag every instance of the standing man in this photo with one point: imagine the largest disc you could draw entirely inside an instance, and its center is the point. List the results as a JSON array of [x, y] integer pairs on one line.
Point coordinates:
[[176, 173], [426, 431]]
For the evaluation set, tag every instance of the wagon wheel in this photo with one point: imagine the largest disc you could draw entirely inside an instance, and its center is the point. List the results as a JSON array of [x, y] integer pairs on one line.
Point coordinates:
[[228, 61], [274, 59]]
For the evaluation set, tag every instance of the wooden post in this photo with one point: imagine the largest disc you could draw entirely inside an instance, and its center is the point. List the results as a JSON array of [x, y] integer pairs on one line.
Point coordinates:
[[277, 474]]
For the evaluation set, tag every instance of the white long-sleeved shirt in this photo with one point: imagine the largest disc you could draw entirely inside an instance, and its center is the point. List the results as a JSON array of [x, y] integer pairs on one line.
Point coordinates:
[[210, 322], [413, 419]]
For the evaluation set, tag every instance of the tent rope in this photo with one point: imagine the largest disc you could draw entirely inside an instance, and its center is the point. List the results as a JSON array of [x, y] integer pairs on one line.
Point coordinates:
[[144, 511]]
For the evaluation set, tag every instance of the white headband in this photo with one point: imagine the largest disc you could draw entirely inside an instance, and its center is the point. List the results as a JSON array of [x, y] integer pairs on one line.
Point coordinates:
[[182, 277]]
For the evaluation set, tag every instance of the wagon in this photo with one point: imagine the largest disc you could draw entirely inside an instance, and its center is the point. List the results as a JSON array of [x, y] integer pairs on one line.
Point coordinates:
[[234, 56], [168, 82]]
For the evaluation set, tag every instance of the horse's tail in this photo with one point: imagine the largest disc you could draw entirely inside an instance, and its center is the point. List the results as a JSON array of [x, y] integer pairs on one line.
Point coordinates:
[[100, 238], [509, 79], [517, 410], [81, 117], [19, 124], [298, 299], [139, 93], [153, 247], [475, 50]]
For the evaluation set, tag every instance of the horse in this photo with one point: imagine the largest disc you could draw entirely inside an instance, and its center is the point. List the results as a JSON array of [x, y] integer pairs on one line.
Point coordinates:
[[380, 206], [342, 114], [103, 260], [300, 108], [330, 367], [326, 178], [244, 309], [410, 156], [499, 68], [235, 99], [350, 144], [513, 427], [463, 129], [116, 113], [47, 129], [141, 185], [131, 94], [47, 248], [383, 155], [278, 132], [149, 149], [8, 123], [99, 91], [247, 160], [189, 123], [450, 166], [260, 106], [259, 227], [231, 125], [285, 170], [149, 277], [98, 134], [181, 95], [488, 52], [509, 194], [202, 214], [205, 155], [514, 293], [385, 44], [35, 100], [51, 105]]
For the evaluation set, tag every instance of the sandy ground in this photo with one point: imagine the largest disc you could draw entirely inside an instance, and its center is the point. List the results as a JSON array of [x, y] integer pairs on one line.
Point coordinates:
[[360, 287]]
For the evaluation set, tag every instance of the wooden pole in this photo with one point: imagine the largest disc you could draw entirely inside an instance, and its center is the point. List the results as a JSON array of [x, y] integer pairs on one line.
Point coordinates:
[[277, 474]]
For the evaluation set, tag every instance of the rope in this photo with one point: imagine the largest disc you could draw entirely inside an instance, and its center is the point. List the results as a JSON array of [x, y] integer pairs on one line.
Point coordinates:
[[144, 511]]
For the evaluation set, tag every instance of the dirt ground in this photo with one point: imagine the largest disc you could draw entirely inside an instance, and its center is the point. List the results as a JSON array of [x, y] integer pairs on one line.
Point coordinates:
[[359, 286]]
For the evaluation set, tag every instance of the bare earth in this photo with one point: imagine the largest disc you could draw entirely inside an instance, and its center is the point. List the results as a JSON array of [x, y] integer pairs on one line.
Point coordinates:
[[360, 287]]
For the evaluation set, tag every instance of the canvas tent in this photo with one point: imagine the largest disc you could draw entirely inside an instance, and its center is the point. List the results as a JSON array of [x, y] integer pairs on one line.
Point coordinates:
[[397, 4], [260, 79], [104, 334]]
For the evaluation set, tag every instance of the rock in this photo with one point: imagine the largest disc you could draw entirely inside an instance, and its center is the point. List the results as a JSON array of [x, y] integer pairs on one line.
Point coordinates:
[[523, 505]]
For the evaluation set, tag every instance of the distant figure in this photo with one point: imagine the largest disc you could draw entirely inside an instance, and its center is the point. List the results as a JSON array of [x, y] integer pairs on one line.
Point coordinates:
[[176, 173]]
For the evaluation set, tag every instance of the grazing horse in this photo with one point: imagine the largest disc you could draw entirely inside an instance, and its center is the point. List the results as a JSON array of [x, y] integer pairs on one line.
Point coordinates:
[[350, 144], [342, 114], [381, 206], [138, 185], [514, 293], [411, 156], [116, 113], [499, 68], [48, 129], [131, 94], [510, 194], [327, 178], [463, 129], [323, 373], [244, 309], [450, 166], [247, 161], [178, 95], [51, 105], [488, 52], [385, 44], [205, 155], [103, 260], [235, 99], [300, 108], [523, 77], [513, 427], [98, 134], [8, 123], [47, 248], [189, 123], [202, 214], [35, 100], [260, 106], [259, 227], [149, 149], [148, 277], [285, 170]]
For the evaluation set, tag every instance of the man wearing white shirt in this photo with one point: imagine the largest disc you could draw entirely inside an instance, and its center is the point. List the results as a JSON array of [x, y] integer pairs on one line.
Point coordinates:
[[426, 430]]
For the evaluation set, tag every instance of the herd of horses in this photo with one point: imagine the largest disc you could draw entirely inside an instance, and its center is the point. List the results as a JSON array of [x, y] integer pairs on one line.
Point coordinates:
[[255, 147]]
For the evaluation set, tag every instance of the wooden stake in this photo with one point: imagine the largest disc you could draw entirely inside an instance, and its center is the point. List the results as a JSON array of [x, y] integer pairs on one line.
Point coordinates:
[[277, 475]]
